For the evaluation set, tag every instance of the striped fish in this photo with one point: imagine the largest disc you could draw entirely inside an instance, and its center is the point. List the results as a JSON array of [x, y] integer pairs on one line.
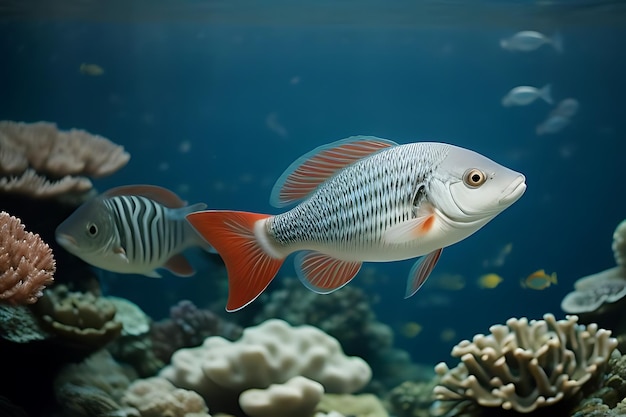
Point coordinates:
[[133, 229], [361, 199]]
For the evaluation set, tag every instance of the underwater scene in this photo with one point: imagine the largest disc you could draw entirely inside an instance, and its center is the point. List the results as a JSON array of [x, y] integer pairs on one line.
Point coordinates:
[[312, 209]]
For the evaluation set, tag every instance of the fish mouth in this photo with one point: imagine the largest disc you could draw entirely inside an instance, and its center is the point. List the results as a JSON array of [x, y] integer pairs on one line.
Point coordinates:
[[66, 240], [514, 191]]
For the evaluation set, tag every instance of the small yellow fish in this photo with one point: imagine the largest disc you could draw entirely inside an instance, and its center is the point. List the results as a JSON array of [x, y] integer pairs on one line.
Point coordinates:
[[539, 280], [411, 329], [489, 280], [94, 70], [447, 335]]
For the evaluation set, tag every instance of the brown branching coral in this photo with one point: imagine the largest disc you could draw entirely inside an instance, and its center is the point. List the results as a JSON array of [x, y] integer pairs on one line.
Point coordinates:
[[26, 263], [40, 160], [522, 365]]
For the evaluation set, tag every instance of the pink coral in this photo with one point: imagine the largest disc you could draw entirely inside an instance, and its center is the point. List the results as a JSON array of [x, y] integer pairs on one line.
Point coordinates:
[[26, 263]]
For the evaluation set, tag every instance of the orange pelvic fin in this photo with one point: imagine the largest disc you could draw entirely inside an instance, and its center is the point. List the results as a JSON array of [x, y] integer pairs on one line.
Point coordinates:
[[179, 265], [421, 271], [231, 233], [322, 273], [313, 168]]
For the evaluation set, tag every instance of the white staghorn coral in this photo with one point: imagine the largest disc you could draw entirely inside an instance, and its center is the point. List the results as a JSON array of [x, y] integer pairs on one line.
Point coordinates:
[[522, 366]]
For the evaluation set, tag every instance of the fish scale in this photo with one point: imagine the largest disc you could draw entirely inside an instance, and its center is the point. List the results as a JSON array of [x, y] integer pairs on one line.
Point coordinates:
[[139, 217], [351, 211]]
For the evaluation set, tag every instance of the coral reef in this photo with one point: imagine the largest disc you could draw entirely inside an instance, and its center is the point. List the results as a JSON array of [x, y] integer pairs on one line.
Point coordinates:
[[157, 397], [608, 400], [188, 326], [19, 325], [93, 387], [297, 397], [134, 345], [270, 353], [593, 291], [411, 399], [31, 154], [348, 316], [522, 366], [601, 297], [82, 318], [26, 263], [363, 405]]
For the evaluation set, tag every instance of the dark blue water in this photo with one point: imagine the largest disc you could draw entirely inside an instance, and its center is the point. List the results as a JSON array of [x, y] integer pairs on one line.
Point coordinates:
[[249, 99]]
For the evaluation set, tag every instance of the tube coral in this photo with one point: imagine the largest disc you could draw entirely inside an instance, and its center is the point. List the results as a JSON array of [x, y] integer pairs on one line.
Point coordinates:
[[26, 263]]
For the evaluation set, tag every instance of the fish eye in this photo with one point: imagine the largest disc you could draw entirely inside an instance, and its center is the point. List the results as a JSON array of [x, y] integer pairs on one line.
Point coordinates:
[[474, 177], [92, 229]]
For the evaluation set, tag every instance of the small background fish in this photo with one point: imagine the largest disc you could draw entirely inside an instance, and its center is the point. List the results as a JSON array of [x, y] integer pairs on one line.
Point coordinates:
[[94, 70]]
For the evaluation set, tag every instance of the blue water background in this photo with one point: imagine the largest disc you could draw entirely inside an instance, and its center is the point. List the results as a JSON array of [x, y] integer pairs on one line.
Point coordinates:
[[248, 100]]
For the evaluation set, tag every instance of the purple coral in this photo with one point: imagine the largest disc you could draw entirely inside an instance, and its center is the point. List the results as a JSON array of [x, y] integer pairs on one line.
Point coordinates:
[[188, 326]]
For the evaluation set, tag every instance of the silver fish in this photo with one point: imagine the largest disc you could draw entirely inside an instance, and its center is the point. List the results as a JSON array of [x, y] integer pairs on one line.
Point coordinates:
[[529, 40], [364, 199], [524, 95], [132, 229]]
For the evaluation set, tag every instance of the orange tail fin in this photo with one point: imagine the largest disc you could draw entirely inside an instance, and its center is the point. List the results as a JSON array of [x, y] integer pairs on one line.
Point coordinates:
[[231, 233]]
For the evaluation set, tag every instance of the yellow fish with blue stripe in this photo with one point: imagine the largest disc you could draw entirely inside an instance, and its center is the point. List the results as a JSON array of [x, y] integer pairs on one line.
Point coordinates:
[[539, 280]]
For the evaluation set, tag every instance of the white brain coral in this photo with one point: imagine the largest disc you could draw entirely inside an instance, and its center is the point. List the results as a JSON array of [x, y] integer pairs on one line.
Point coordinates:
[[523, 365], [297, 397], [270, 353]]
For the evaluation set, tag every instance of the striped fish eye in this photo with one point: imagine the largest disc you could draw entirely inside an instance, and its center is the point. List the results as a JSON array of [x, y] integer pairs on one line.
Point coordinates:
[[474, 177], [92, 229]]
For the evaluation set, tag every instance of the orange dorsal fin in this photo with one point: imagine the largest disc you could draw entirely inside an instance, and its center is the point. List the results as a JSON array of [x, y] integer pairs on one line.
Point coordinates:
[[179, 265], [421, 271], [159, 194], [322, 273], [313, 168], [231, 233]]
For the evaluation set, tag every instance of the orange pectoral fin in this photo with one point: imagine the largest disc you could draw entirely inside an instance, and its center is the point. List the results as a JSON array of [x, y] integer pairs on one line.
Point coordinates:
[[409, 230], [231, 233], [421, 271], [322, 274]]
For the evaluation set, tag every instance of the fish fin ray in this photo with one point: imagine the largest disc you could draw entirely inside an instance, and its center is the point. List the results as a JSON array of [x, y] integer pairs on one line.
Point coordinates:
[[546, 93], [179, 265], [421, 271], [324, 274], [306, 173], [250, 269], [557, 42], [159, 194], [409, 230]]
